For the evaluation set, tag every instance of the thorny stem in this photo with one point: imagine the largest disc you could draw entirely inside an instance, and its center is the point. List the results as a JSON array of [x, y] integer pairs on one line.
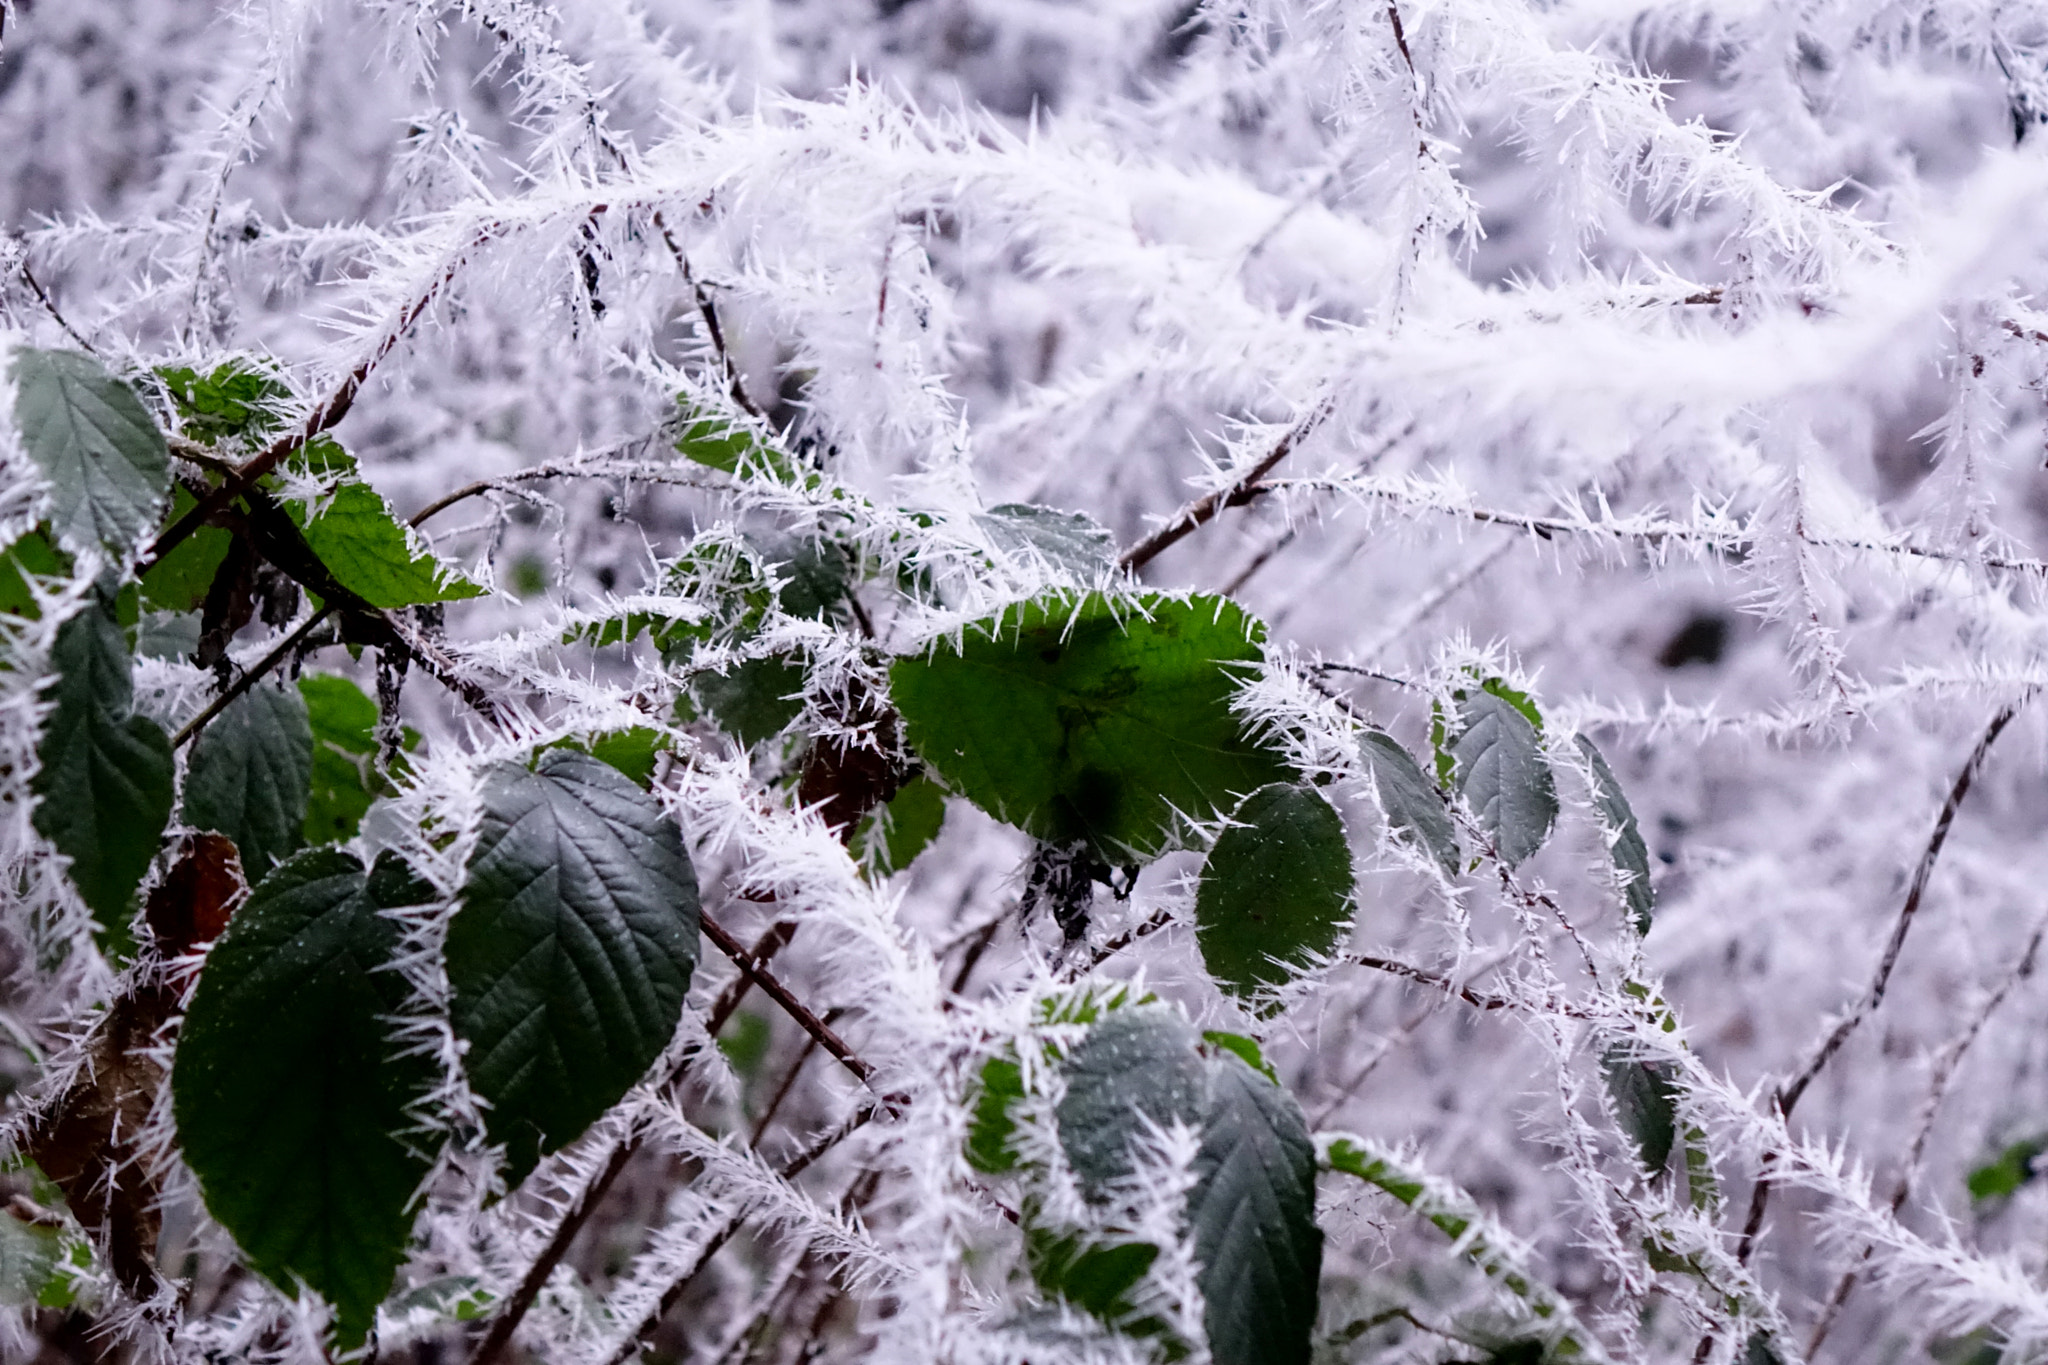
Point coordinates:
[[248, 679], [1199, 513], [35, 285], [1788, 1095], [1945, 1068], [1477, 999]]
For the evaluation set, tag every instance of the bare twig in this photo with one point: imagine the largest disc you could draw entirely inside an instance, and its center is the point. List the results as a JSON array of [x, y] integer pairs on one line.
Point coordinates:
[[248, 679], [1788, 1095], [1203, 510], [773, 988]]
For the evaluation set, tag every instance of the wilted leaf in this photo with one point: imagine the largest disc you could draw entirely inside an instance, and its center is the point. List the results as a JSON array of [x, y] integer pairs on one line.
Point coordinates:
[[193, 902]]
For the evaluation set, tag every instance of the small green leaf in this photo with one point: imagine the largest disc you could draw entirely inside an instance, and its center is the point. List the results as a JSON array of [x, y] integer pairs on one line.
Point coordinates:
[[905, 826], [1413, 808], [1137, 1066], [990, 1125], [1646, 1098], [32, 554], [1502, 773], [1252, 1216], [1246, 1050], [293, 1092], [2013, 1168], [745, 1044], [755, 700], [1096, 1277], [1624, 837], [250, 775], [178, 581], [107, 464], [37, 1261], [343, 721], [726, 445], [1088, 719], [373, 555], [1071, 542], [234, 399], [1276, 889], [632, 751], [105, 785], [572, 952]]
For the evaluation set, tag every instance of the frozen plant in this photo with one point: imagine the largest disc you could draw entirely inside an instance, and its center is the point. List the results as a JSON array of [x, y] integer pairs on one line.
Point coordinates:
[[1009, 680]]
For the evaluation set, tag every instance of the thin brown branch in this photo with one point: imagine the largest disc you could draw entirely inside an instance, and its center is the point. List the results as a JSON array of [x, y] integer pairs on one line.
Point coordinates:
[[1199, 513], [248, 679], [1477, 999], [772, 987], [1788, 1095]]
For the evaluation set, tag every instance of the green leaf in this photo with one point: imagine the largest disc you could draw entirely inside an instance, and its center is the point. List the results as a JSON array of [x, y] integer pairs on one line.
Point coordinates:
[[1646, 1098], [374, 556], [234, 399], [1276, 889], [1137, 1066], [572, 952], [1413, 808], [250, 775], [178, 581], [1252, 1216], [989, 1124], [1246, 1050], [745, 1044], [815, 575], [753, 701], [292, 1090], [631, 751], [905, 826], [1072, 542], [1080, 718], [2013, 1168], [32, 554], [1096, 1277], [105, 785], [107, 464], [1624, 838], [41, 1264], [343, 721], [1502, 773], [726, 445]]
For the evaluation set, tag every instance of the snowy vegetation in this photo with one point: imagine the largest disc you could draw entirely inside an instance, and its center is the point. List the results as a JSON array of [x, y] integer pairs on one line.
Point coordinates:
[[1006, 680]]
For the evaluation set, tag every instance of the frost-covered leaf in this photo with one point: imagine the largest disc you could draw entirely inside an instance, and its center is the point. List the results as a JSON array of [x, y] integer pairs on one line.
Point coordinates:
[[756, 699], [1503, 775], [1252, 1217], [1095, 1276], [905, 826], [1072, 542], [1413, 808], [104, 784], [343, 720], [1631, 855], [1275, 890], [235, 398], [373, 555], [990, 1124], [1091, 720], [573, 949], [107, 464], [293, 1092], [1138, 1067], [32, 554], [250, 774], [1646, 1099]]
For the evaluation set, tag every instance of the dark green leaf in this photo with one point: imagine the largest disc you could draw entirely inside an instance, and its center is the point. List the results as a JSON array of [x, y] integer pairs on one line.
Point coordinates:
[[815, 575], [372, 555], [1276, 889], [250, 775], [344, 726], [1625, 838], [989, 1125], [178, 581], [234, 399], [1414, 809], [754, 701], [104, 787], [1758, 1350], [1082, 719], [1137, 1066], [1252, 1216], [905, 826], [106, 462], [1647, 1101], [1502, 773], [571, 955], [725, 445], [292, 1091], [2013, 1168], [1071, 542], [32, 554]]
